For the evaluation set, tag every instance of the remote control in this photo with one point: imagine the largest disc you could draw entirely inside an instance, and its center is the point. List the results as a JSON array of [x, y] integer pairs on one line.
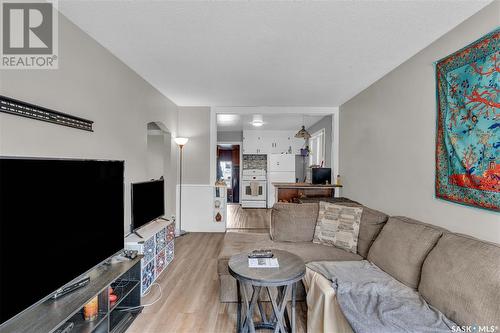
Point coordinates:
[[261, 254]]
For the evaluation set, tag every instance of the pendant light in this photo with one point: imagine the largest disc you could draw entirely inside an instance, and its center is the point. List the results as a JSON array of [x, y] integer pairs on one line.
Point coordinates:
[[303, 133]]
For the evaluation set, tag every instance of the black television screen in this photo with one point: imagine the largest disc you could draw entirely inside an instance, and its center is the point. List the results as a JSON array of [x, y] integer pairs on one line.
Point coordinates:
[[58, 219], [148, 202], [321, 176]]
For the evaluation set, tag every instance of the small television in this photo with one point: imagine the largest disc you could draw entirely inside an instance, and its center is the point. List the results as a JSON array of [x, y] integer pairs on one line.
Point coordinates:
[[321, 176], [148, 202], [59, 218]]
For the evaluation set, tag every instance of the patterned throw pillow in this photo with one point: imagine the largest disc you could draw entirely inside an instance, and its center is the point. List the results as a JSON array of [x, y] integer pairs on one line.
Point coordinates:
[[338, 226]]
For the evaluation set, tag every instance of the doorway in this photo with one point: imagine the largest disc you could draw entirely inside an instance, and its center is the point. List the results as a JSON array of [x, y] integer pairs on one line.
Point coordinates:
[[162, 161], [228, 169]]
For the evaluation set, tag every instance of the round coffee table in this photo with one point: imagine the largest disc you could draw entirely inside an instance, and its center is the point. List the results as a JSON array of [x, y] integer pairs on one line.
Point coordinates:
[[278, 282]]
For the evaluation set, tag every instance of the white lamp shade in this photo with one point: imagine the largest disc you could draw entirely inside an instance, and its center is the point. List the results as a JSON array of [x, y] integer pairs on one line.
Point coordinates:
[[181, 141]]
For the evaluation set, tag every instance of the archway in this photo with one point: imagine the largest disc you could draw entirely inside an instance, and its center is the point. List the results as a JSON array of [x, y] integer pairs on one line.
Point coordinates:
[[161, 161]]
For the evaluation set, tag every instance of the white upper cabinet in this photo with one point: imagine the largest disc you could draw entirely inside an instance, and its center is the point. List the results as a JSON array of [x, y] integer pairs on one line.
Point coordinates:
[[271, 142], [276, 141], [253, 142]]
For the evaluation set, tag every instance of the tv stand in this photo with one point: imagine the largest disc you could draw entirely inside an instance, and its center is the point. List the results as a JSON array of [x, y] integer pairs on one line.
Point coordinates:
[[157, 246], [52, 314], [137, 234], [72, 287]]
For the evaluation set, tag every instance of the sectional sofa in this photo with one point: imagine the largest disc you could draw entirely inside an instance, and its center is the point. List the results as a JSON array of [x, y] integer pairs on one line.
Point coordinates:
[[456, 274]]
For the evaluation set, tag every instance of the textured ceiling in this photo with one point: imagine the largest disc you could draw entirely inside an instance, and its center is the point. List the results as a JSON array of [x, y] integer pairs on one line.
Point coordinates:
[[256, 53]]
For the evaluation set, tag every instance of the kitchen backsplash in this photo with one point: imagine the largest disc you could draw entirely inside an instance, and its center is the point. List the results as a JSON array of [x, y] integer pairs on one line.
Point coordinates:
[[254, 161]]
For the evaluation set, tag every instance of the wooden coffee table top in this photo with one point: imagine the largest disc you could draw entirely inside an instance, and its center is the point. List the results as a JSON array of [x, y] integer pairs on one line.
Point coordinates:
[[291, 269]]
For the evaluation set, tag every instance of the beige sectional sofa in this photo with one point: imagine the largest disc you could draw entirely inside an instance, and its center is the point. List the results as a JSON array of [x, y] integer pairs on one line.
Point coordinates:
[[292, 229], [457, 274]]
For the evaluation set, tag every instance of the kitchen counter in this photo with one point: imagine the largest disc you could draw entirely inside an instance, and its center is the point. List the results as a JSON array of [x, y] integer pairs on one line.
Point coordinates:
[[293, 192]]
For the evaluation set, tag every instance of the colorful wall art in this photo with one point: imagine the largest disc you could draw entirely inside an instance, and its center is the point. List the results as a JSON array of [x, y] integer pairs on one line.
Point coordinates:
[[468, 124]]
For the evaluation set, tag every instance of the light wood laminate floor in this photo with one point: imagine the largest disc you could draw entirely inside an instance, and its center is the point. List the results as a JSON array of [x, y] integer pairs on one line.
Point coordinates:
[[247, 218], [190, 301]]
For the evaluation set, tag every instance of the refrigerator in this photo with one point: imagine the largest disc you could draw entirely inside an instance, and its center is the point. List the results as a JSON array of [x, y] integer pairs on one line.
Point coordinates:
[[281, 169]]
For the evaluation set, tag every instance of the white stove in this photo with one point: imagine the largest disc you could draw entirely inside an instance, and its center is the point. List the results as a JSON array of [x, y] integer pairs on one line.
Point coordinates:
[[254, 188]]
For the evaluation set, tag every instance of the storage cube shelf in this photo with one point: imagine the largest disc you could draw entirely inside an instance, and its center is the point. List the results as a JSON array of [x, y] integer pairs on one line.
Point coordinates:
[[157, 246]]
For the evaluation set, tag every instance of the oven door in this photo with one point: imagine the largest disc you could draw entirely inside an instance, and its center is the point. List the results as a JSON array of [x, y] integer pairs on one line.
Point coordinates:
[[254, 190]]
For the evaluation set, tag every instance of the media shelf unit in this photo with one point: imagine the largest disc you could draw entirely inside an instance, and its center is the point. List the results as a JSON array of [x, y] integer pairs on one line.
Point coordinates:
[[49, 316], [157, 247]]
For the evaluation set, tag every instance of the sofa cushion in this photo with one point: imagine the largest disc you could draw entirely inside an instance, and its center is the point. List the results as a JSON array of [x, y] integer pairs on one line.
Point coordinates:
[[338, 226], [235, 242], [309, 251], [293, 222], [238, 242], [401, 247], [461, 278], [372, 221], [337, 200]]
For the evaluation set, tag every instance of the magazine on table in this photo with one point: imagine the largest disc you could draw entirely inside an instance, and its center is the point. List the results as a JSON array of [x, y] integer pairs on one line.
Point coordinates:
[[263, 263]]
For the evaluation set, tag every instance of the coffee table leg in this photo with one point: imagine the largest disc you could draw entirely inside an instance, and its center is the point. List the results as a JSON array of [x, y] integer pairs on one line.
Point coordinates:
[[287, 318], [294, 296], [253, 301], [279, 305], [238, 311], [245, 304], [262, 312]]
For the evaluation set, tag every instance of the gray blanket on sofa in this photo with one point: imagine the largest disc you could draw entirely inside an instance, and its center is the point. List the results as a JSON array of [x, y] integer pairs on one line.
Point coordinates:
[[373, 301]]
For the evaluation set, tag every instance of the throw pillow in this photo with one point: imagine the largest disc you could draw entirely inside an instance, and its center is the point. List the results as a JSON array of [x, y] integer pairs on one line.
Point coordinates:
[[338, 226]]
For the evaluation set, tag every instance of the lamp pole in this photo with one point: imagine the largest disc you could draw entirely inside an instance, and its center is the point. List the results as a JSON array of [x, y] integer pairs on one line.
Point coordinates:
[[180, 142]]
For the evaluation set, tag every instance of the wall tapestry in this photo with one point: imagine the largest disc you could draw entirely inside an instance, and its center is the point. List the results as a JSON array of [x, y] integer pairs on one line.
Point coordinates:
[[468, 124]]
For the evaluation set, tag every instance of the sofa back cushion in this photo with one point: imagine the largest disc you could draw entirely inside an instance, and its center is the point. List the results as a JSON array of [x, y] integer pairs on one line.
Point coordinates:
[[296, 223], [293, 222], [461, 278], [401, 247], [372, 221]]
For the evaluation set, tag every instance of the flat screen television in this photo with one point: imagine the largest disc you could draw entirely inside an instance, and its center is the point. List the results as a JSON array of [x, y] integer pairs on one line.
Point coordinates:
[[59, 218], [148, 202]]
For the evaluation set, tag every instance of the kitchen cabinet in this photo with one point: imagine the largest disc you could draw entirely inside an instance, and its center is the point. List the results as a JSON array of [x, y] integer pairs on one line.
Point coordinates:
[[253, 142], [275, 142], [271, 142]]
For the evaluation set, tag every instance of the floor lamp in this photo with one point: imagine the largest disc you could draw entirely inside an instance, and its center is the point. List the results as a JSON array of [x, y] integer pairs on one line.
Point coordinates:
[[180, 142]]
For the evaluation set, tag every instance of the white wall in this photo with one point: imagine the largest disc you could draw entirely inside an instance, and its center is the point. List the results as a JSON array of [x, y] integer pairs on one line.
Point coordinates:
[[194, 123], [93, 84], [230, 136], [197, 185], [156, 155], [326, 124], [387, 139]]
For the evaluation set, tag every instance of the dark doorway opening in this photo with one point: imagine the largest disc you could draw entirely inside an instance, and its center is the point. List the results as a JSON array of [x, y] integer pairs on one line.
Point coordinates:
[[228, 168]]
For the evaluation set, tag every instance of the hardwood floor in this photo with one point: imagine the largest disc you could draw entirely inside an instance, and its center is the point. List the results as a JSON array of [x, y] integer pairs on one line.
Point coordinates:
[[190, 301], [247, 218]]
